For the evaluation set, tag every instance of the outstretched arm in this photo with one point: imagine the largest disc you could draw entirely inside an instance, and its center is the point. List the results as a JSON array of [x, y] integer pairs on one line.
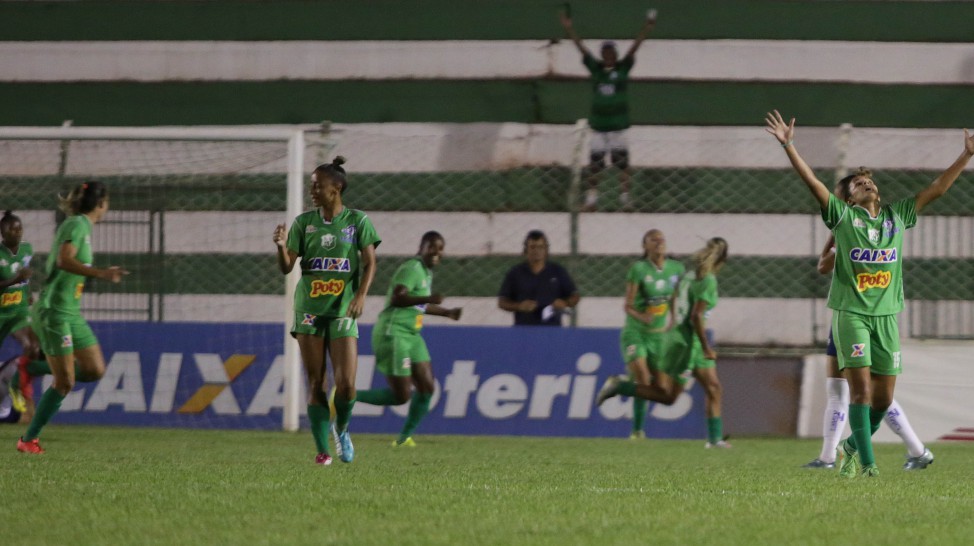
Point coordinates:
[[566, 22], [648, 26], [946, 179], [785, 133]]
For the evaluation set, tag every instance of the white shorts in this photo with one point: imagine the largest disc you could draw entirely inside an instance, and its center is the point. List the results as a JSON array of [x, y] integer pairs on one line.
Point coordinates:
[[603, 142]]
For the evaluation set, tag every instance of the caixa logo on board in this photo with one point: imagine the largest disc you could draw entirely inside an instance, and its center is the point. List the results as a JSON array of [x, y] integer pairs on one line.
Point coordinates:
[[207, 384]]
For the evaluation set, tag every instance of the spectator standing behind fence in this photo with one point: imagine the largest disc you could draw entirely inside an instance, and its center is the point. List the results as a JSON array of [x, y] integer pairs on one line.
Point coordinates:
[[609, 117], [537, 291]]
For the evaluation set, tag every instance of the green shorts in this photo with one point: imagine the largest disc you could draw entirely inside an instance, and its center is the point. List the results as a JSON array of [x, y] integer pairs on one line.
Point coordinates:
[[395, 354], [678, 354], [13, 323], [326, 327], [61, 334], [635, 345], [864, 341], [697, 361]]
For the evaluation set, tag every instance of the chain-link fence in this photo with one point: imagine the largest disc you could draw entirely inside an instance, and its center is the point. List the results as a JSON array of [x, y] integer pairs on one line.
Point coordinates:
[[193, 220]]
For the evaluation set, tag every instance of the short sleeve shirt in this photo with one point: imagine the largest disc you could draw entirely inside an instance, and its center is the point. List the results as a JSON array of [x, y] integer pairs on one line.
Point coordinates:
[[692, 290], [63, 290], [418, 280], [330, 261], [868, 277], [610, 93], [654, 290], [14, 300], [551, 283]]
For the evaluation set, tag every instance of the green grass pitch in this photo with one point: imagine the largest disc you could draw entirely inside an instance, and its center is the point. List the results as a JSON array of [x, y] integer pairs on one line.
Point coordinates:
[[101, 485]]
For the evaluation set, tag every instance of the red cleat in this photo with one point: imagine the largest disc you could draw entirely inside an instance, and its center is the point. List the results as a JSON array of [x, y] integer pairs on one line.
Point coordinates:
[[323, 459], [26, 380], [32, 446]]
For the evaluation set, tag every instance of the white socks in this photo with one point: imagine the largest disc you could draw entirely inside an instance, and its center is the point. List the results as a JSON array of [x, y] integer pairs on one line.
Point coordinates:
[[836, 412], [897, 421]]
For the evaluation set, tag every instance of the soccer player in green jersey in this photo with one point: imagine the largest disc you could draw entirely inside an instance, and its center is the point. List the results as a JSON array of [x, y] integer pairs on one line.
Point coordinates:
[[609, 116], [650, 284], [15, 274], [400, 351], [867, 286], [837, 391], [336, 246], [687, 348], [64, 336]]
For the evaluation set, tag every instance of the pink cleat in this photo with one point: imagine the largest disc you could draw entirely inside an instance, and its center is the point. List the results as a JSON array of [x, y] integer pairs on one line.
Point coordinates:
[[323, 459]]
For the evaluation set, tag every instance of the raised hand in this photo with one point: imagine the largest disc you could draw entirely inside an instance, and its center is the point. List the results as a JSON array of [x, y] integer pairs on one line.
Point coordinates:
[[280, 235], [784, 132], [968, 143]]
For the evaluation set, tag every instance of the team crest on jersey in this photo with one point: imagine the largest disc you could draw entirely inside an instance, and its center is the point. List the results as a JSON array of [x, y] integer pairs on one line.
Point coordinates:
[[857, 222], [309, 320], [661, 284], [879, 279], [310, 229], [14, 267], [27, 261], [4, 263], [873, 235], [873, 255], [348, 235], [12, 299], [858, 350], [328, 241], [330, 264], [66, 341], [332, 287]]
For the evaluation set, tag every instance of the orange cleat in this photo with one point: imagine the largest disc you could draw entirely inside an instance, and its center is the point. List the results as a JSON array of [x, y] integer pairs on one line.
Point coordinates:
[[33, 446]]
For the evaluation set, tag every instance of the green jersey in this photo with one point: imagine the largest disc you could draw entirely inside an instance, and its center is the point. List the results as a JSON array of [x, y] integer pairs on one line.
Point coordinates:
[[692, 290], [14, 298], [330, 263], [610, 94], [62, 292], [418, 280], [654, 289], [868, 277]]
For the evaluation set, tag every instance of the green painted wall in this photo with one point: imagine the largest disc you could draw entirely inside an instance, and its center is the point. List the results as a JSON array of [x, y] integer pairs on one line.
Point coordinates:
[[541, 101], [483, 20]]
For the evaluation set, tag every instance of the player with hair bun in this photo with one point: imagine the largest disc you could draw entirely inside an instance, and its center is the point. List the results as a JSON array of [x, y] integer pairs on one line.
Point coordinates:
[[400, 351], [336, 246], [64, 336], [688, 350], [867, 286]]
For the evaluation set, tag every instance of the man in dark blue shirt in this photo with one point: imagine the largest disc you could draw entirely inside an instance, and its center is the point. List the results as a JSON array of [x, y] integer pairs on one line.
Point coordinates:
[[537, 291]]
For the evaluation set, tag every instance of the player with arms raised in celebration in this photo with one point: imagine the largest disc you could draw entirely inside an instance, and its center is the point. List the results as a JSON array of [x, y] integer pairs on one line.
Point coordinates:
[[400, 351], [650, 284], [64, 335], [336, 246], [867, 287]]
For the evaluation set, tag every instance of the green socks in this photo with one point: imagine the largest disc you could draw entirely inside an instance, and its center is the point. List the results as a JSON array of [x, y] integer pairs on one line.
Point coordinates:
[[46, 408], [419, 406], [639, 408], [41, 367], [376, 397], [627, 388], [715, 429], [319, 417], [343, 412], [864, 422]]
